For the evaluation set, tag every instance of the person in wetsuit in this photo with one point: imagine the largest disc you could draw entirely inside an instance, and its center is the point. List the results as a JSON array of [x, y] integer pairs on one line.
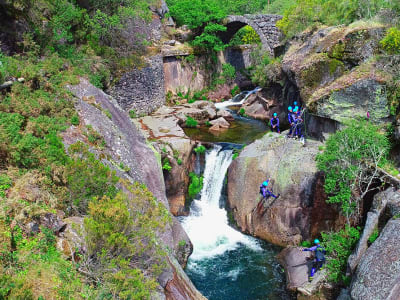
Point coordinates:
[[265, 193], [319, 257], [290, 120], [275, 123]]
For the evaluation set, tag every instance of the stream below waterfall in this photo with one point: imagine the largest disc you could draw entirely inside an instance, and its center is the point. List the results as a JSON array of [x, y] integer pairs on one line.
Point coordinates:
[[225, 263]]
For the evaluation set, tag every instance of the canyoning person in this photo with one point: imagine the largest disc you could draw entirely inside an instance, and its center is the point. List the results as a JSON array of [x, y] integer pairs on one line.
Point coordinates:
[[290, 120], [296, 108], [319, 257], [265, 193], [298, 127], [275, 123]]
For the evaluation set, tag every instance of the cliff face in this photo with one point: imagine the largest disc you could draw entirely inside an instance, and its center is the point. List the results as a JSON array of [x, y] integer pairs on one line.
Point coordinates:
[[126, 146], [298, 213]]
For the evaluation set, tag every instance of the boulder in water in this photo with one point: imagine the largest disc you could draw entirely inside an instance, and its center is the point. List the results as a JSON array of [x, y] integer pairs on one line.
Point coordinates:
[[221, 122]]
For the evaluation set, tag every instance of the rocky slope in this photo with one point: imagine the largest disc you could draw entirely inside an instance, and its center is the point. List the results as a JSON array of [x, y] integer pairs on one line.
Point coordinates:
[[125, 145], [300, 212]]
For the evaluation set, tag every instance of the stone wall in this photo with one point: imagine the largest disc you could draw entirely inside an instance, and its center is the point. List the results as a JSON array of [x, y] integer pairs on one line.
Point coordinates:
[[142, 90]]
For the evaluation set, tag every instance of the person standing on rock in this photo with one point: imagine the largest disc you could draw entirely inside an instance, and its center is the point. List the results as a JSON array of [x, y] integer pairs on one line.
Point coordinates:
[[319, 259], [275, 123], [298, 124], [265, 193], [296, 108], [290, 120]]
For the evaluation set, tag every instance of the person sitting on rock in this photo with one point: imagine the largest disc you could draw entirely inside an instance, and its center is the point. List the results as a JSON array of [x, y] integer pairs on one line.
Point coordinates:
[[290, 120], [319, 257], [275, 123], [265, 193]]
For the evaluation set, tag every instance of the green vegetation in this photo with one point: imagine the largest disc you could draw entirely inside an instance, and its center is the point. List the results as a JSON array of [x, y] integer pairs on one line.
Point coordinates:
[[204, 18], [132, 114], [301, 14], [391, 42], [200, 149], [266, 69], [195, 186], [346, 179], [373, 236], [166, 165], [190, 122], [339, 246], [127, 222], [245, 35]]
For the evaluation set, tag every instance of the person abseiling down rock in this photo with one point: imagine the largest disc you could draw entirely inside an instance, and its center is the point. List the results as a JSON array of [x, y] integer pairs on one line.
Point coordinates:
[[296, 108], [290, 120], [319, 258], [275, 123], [265, 193]]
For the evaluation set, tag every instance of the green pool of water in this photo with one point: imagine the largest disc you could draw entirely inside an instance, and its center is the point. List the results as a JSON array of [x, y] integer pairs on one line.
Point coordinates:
[[242, 131]]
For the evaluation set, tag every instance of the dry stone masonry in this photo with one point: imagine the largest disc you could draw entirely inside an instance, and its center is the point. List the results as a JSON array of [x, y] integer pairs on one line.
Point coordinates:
[[264, 25]]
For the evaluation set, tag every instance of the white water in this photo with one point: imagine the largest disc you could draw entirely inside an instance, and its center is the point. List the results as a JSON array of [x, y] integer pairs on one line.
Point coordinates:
[[234, 101], [207, 224]]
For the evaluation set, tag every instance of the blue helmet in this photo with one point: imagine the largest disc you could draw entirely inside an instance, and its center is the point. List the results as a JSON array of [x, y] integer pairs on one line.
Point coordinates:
[[295, 102], [275, 114], [265, 183], [295, 109], [316, 241], [289, 108]]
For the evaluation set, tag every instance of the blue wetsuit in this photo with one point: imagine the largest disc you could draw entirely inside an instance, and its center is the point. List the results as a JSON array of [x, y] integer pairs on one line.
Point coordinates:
[[275, 121], [319, 258], [298, 123], [291, 121]]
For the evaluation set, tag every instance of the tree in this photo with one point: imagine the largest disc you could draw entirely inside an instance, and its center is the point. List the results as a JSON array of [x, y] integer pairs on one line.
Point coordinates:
[[351, 163]]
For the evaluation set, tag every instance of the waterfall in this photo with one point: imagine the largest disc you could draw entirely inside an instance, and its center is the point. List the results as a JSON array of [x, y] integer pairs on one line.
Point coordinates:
[[238, 99], [207, 225]]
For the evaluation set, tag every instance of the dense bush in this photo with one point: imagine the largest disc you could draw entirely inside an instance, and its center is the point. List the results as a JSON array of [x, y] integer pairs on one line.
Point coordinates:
[[339, 245], [391, 41], [305, 13], [350, 162], [195, 186], [122, 236]]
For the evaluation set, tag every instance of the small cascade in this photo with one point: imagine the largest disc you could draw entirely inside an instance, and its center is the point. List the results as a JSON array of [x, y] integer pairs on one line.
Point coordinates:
[[238, 99], [225, 263], [207, 225]]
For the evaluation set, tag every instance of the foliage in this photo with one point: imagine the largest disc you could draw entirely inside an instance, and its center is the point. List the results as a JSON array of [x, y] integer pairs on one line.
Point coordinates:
[[195, 186], [86, 178], [228, 72], [34, 268], [166, 165], [200, 149], [245, 35], [350, 162], [190, 122], [122, 236], [305, 13], [339, 246], [132, 114], [373, 236], [391, 41], [235, 91], [266, 70]]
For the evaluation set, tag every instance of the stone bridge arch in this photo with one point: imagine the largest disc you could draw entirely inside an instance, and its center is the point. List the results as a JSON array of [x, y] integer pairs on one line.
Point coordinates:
[[264, 25]]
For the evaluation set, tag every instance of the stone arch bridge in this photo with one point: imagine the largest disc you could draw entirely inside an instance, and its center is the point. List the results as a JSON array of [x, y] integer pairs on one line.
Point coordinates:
[[264, 25]]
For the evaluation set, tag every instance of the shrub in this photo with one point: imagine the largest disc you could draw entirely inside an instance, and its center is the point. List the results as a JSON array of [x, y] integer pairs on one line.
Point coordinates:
[[132, 114], [373, 236], [122, 236], [235, 91], [195, 186], [200, 149], [391, 41], [339, 246], [228, 72], [166, 165], [86, 178], [242, 112], [345, 176], [75, 120], [190, 122]]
